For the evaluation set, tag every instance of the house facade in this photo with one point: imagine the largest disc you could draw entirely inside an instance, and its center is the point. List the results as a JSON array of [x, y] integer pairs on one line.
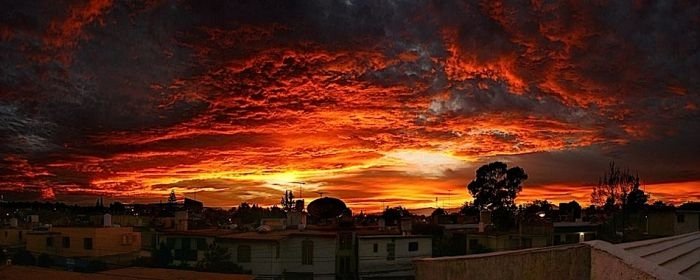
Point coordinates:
[[672, 222], [282, 254], [112, 244], [12, 237], [390, 256]]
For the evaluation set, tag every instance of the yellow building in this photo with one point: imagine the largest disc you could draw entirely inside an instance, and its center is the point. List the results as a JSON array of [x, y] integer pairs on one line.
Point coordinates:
[[12, 237], [86, 242]]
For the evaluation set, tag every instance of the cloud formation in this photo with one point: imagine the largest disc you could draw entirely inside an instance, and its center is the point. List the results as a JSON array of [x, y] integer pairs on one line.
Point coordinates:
[[366, 100]]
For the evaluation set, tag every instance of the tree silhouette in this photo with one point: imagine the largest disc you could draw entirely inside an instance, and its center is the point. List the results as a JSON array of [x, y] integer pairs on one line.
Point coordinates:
[[172, 199], [392, 215], [614, 187], [438, 212], [288, 202], [496, 186], [469, 210], [636, 199]]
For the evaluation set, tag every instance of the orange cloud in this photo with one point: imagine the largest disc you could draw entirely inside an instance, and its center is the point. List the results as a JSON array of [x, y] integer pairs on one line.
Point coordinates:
[[237, 101]]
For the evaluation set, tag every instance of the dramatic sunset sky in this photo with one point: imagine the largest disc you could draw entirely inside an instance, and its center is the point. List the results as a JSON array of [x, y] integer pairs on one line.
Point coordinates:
[[375, 102]]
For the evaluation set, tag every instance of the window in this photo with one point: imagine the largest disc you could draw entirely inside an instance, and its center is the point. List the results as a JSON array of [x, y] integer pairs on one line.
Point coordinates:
[[243, 254], [375, 247], [680, 218], [20, 235], [66, 242], [277, 251], [390, 251], [87, 243], [5, 234], [49, 242], [307, 252], [412, 246]]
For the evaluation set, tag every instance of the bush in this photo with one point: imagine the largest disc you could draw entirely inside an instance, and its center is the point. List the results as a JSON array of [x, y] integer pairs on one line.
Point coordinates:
[[143, 262], [162, 257], [23, 257], [44, 260], [480, 249], [93, 266]]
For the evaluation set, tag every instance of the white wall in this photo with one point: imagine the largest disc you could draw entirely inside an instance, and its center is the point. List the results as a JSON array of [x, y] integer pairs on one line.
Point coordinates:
[[265, 263], [324, 253], [372, 263], [690, 223], [263, 256]]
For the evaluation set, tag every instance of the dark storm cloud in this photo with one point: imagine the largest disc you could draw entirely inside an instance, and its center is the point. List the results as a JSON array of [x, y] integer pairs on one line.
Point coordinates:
[[107, 95]]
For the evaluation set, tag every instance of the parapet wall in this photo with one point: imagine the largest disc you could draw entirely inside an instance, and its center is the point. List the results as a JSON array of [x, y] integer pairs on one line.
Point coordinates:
[[595, 260], [561, 262]]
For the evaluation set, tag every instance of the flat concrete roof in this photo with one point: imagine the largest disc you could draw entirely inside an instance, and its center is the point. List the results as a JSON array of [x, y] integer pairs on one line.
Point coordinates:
[[680, 253]]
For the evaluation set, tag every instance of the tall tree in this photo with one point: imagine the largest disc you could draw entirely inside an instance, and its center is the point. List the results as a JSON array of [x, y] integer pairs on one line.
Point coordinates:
[[438, 212], [288, 202], [614, 188], [496, 186], [469, 210], [392, 215], [636, 199]]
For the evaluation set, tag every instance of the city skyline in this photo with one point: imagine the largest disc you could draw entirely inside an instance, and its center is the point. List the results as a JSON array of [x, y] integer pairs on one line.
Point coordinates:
[[378, 103]]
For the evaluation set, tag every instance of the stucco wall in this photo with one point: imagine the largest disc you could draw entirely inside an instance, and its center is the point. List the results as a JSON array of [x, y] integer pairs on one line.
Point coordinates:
[[264, 260], [562, 262], [662, 223], [690, 223], [324, 248], [105, 241], [375, 264], [12, 236]]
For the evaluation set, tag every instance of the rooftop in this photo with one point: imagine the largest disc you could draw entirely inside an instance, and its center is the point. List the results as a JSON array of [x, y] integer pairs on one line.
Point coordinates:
[[252, 235], [14, 272], [672, 258], [680, 254]]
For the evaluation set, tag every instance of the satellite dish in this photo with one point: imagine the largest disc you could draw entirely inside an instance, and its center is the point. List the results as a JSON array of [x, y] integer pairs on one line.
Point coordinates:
[[326, 208]]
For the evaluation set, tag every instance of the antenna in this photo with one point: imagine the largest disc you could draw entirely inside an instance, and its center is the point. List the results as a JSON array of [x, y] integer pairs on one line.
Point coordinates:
[[449, 196], [320, 193]]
